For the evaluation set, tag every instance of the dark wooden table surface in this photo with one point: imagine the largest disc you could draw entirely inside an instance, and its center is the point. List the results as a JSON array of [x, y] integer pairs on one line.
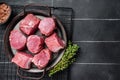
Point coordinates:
[[96, 29]]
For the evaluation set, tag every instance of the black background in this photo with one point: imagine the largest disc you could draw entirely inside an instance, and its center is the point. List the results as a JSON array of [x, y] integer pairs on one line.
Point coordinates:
[[96, 29]]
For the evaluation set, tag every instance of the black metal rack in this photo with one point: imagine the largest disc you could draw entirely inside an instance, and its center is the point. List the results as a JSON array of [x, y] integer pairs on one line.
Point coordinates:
[[8, 69]]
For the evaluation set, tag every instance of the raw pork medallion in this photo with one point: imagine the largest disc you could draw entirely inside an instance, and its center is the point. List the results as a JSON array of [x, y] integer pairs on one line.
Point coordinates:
[[35, 43], [17, 40], [29, 24], [47, 26], [54, 43], [41, 59], [23, 60]]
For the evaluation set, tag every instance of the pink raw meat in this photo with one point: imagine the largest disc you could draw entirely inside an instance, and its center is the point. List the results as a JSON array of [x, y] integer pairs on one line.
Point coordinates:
[[35, 43], [41, 59], [54, 43], [29, 24], [17, 40], [22, 59], [47, 26]]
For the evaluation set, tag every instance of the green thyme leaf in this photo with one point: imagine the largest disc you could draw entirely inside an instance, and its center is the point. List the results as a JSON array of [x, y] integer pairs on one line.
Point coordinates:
[[67, 59]]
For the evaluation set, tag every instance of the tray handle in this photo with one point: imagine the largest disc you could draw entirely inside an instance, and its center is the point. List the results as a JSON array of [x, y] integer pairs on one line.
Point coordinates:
[[47, 12], [28, 77]]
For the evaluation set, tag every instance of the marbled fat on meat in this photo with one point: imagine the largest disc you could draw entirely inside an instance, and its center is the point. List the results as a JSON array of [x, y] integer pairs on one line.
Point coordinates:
[[47, 26], [29, 24], [54, 43], [23, 60], [35, 43], [41, 59], [17, 40]]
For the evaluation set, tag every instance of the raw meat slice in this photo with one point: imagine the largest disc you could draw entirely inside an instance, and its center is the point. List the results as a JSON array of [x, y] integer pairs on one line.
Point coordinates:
[[35, 43], [17, 40], [54, 43], [41, 59], [47, 26], [23, 60], [29, 24]]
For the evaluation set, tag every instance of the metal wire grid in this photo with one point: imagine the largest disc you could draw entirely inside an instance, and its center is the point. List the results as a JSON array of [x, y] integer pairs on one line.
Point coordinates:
[[8, 69]]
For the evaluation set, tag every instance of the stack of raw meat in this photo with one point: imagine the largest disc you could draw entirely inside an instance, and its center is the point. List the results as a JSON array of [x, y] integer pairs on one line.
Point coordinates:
[[39, 48]]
